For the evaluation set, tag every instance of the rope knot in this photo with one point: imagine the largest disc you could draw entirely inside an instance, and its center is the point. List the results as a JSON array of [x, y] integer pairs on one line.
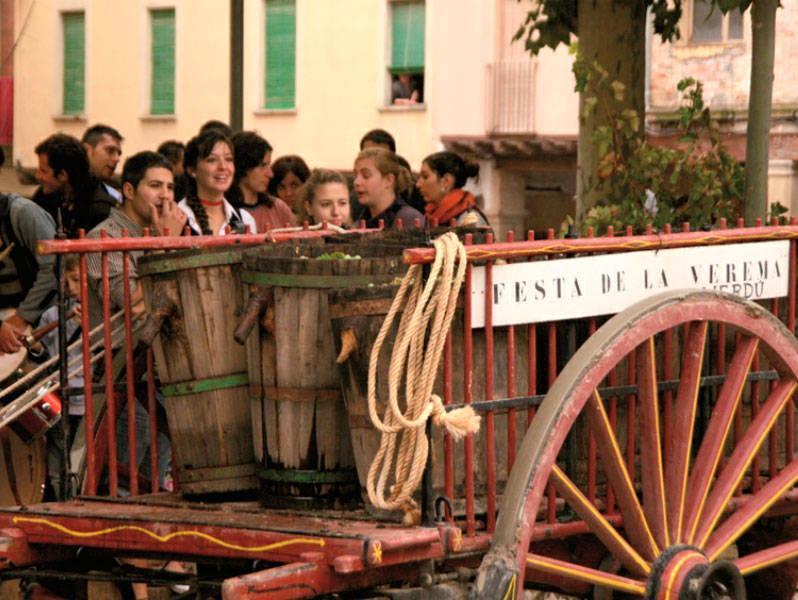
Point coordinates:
[[458, 422]]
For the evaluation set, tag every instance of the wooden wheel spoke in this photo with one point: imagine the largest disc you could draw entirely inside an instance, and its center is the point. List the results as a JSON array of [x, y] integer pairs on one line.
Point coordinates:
[[581, 573], [634, 519], [599, 525], [652, 475], [742, 456], [709, 454], [763, 559], [755, 507], [679, 443]]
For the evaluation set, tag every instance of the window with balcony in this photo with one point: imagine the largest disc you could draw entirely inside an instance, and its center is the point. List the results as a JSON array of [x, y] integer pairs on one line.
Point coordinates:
[[74, 67], [162, 76], [406, 68], [708, 25], [280, 59]]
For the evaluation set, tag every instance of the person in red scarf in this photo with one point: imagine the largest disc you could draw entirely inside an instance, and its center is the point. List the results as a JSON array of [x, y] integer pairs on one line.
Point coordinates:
[[441, 181]]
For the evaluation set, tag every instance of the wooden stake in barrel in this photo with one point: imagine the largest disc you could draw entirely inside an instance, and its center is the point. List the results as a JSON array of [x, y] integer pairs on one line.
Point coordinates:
[[299, 420], [198, 297]]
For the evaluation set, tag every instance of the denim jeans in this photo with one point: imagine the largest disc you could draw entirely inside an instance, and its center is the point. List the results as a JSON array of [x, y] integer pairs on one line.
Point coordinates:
[[142, 445]]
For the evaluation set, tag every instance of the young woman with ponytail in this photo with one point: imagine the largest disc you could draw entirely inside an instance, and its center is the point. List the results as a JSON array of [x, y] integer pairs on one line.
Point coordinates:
[[441, 182], [208, 162], [381, 182]]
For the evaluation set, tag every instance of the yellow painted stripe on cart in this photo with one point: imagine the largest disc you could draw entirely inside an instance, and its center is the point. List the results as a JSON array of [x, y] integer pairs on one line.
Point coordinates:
[[619, 458], [166, 538], [765, 432], [677, 567], [510, 593], [617, 583], [750, 521], [566, 481], [769, 563], [719, 452]]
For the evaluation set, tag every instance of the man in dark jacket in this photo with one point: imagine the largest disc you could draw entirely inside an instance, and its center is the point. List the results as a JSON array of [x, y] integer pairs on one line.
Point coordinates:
[[103, 146], [27, 279], [67, 187]]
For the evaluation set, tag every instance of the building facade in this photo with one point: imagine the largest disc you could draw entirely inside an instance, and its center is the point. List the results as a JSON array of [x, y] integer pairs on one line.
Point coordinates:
[[317, 75], [716, 50]]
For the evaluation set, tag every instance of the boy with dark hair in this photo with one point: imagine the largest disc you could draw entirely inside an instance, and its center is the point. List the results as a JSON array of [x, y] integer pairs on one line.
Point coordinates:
[[148, 190], [103, 145]]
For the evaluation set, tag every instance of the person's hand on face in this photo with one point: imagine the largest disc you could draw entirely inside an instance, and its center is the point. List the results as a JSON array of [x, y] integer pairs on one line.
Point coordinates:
[[168, 216]]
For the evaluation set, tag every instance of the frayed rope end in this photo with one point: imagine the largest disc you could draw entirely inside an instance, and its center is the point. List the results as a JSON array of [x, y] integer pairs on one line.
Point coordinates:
[[459, 422]]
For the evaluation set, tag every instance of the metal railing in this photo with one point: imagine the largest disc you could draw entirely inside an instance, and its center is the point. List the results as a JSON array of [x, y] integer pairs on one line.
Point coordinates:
[[504, 372], [521, 362]]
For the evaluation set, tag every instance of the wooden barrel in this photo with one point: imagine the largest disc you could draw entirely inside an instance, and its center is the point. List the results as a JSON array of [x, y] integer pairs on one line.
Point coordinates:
[[361, 312], [202, 369], [300, 426]]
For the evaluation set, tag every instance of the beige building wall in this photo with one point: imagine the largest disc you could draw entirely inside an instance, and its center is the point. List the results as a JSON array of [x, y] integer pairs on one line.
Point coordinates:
[[117, 70], [341, 84], [342, 79]]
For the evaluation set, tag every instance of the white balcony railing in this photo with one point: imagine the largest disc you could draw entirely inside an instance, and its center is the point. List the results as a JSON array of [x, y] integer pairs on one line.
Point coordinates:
[[511, 97]]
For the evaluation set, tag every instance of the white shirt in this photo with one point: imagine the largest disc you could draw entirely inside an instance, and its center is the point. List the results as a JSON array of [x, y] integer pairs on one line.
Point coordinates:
[[229, 214], [113, 192]]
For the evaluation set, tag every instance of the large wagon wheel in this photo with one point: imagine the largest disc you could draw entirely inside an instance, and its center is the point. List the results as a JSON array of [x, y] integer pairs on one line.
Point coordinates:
[[691, 497]]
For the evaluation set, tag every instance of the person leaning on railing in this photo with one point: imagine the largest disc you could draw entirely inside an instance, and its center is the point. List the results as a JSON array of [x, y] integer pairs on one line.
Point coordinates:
[[147, 189], [148, 202], [148, 192]]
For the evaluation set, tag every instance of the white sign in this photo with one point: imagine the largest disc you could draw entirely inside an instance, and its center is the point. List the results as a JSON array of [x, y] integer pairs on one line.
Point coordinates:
[[571, 288]]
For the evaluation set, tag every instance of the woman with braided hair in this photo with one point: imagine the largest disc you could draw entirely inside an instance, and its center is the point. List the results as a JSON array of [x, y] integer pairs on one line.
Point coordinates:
[[208, 162]]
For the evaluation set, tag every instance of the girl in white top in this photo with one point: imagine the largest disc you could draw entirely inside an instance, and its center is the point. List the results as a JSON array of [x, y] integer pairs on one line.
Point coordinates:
[[208, 162]]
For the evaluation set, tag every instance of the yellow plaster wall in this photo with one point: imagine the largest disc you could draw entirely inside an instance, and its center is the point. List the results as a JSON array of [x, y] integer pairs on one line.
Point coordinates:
[[117, 71], [342, 82], [342, 57]]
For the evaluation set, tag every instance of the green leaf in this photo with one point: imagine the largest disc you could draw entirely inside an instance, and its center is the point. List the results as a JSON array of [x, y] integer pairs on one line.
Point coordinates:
[[618, 90]]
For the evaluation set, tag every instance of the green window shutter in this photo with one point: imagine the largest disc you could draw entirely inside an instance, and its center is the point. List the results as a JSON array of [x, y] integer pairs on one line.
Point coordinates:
[[162, 84], [407, 37], [74, 63], [280, 78]]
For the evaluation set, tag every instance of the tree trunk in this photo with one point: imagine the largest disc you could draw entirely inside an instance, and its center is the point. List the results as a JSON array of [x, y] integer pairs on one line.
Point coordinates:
[[760, 98], [611, 32]]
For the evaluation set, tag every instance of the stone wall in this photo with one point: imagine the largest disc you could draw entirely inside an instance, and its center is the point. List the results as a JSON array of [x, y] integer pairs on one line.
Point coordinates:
[[724, 68]]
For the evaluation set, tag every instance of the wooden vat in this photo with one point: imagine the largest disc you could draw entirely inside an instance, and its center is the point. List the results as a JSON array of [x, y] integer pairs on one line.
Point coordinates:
[[202, 369]]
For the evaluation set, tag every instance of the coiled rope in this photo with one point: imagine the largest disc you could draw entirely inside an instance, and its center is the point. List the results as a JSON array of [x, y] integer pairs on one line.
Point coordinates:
[[417, 350]]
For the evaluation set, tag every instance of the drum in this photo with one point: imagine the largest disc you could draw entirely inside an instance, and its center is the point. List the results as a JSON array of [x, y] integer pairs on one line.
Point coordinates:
[[40, 417], [23, 469], [23, 448]]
